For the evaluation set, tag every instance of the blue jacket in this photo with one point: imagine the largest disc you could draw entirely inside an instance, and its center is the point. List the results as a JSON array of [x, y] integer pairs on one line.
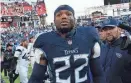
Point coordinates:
[[115, 62]]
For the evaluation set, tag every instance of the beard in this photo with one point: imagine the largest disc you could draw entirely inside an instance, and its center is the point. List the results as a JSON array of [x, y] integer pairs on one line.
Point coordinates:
[[111, 39], [67, 27], [64, 30]]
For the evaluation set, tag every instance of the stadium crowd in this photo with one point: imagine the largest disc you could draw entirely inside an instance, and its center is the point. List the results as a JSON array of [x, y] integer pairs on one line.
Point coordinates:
[[11, 38], [14, 39]]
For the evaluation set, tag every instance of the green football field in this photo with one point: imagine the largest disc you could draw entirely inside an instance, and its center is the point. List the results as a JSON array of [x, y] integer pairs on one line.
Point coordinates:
[[18, 79]]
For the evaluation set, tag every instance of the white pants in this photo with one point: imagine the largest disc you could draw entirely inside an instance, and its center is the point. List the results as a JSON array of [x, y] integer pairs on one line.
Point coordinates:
[[32, 61], [23, 73]]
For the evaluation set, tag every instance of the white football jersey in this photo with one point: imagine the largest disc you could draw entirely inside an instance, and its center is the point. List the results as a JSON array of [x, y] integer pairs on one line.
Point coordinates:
[[30, 49], [22, 54]]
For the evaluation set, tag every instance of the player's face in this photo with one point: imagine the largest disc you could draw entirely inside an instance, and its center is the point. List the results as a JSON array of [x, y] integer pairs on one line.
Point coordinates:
[[9, 47], [26, 43], [64, 21], [102, 34], [112, 33], [32, 40]]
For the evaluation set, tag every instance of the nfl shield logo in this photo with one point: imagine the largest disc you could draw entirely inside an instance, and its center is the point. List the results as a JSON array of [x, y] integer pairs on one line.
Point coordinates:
[[69, 42]]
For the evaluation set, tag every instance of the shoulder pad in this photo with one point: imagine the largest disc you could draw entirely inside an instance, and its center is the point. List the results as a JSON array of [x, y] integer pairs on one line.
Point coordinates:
[[42, 39], [90, 32]]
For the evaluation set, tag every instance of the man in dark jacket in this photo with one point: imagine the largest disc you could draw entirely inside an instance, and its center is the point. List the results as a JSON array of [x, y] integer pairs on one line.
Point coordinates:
[[115, 60], [10, 64]]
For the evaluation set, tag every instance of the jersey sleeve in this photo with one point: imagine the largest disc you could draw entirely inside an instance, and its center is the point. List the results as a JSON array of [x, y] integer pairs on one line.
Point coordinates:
[[38, 42], [96, 50], [29, 47], [38, 48], [95, 35], [38, 73], [92, 34], [96, 66], [18, 52]]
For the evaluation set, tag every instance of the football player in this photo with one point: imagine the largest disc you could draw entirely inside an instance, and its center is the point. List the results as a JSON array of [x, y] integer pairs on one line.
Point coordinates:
[[21, 55], [67, 54], [31, 50]]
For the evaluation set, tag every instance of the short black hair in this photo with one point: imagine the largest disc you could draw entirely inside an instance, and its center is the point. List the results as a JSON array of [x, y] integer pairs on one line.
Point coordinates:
[[9, 45]]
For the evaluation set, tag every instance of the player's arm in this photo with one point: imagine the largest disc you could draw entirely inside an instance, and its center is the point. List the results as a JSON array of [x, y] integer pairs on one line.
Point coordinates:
[[95, 65], [40, 67], [17, 54]]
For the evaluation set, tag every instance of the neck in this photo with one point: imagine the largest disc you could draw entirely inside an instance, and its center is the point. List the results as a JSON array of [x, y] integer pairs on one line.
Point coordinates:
[[24, 46], [63, 35], [66, 35], [9, 49], [111, 42]]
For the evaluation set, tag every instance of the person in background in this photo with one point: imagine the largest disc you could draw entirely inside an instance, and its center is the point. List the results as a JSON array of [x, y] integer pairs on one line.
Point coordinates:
[[31, 50], [22, 58], [114, 58], [102, 33], [9, 64]]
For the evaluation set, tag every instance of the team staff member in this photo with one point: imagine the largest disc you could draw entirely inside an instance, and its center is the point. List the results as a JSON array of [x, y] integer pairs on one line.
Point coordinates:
[[114, 58], [68, 52]]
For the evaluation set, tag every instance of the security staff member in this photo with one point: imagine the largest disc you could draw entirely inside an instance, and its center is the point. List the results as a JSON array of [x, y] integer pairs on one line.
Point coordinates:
[[114, 59]]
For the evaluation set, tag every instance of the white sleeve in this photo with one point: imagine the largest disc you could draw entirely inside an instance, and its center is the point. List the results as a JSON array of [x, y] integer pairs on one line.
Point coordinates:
[[30, 46], [38, 53], [96, 50], [17, 53]]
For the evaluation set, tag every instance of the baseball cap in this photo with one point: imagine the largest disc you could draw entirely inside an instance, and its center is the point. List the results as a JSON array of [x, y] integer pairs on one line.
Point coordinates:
[[112, 22], [98, 27]]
